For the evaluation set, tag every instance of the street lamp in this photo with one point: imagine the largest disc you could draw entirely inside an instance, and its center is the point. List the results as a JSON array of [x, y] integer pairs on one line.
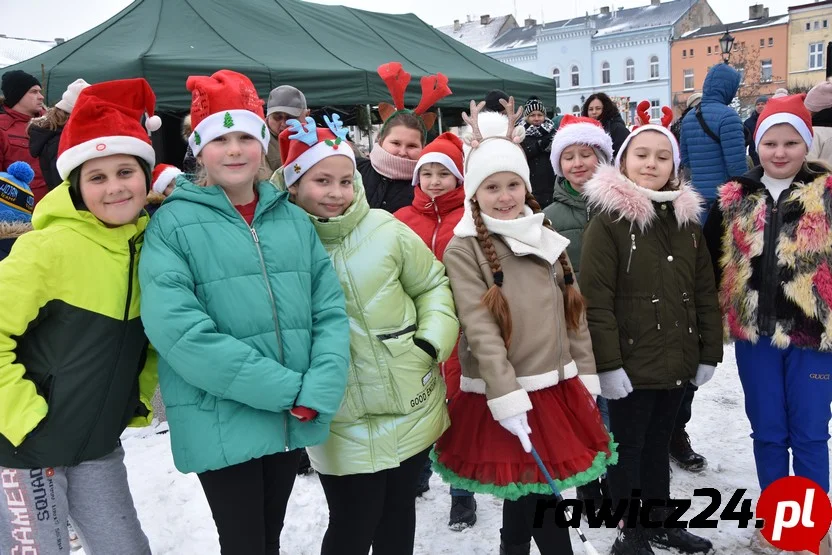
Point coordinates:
[[726, 43], [583, 99]]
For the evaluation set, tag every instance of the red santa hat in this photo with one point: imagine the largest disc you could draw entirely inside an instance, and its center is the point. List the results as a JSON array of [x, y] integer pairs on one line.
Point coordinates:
[[302, 145], [224, 103], [785, 109], [163, 175], [576, 130], [643, 124], [107, 120], [446, 149]]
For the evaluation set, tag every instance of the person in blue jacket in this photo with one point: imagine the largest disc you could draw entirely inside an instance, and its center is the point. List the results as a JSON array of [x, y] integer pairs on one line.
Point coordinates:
[[713, 159]]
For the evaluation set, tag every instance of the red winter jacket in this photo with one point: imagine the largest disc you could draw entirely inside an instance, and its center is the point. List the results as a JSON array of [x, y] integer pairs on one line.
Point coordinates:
[[434, 221], [14, 147]]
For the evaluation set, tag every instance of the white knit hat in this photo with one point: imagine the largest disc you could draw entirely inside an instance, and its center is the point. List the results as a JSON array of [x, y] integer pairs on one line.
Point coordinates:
[[575, 130], [67, 101], [491, 147]]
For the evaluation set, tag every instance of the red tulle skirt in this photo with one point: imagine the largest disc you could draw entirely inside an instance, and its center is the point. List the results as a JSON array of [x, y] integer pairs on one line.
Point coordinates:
[[477, 454]]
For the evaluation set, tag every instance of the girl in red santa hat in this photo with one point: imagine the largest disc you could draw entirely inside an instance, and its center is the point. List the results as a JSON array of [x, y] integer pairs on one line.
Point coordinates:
[[770, 237], [512, 278], [75, 367], [248, 317], [438, 205]]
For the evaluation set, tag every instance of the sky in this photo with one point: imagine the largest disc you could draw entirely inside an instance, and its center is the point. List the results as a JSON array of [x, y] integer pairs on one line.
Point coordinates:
[[48, 19]]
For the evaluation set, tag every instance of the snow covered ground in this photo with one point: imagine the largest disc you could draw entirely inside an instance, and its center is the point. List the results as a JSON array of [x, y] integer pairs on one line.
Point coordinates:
[[176, 518]]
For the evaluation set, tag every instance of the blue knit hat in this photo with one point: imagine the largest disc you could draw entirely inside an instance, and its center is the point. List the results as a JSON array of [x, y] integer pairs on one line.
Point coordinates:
[[16, 200]]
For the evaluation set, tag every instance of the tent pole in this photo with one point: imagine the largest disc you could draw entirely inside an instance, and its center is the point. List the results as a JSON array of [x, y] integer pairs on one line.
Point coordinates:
[[370, 128], [439, 118]]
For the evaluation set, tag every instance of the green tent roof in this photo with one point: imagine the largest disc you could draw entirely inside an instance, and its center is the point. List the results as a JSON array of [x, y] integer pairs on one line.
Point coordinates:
[[329, 52]]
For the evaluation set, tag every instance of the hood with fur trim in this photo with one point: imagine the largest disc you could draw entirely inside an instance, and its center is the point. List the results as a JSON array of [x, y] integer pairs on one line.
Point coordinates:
[[610, 191], [13, 230]]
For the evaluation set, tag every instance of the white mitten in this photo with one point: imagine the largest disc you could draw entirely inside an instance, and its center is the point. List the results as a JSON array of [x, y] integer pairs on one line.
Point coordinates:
[[519, 426], [704, 373], [615, 384]]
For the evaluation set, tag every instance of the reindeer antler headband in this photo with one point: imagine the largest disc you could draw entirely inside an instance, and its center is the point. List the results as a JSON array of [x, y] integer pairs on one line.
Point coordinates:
[[475, 138], [643, 124], [434, 88]]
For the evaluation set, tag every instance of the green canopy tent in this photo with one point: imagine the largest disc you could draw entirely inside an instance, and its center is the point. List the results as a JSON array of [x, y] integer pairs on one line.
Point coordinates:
[[329, 52]]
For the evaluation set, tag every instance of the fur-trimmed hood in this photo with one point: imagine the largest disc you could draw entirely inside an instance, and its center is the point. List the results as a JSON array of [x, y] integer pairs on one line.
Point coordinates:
[[13, 230], [610, 191]]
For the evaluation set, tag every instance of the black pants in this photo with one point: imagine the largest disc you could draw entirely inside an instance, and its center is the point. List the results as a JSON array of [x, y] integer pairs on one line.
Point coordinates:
[[248, 501], [518, 526], [683, 417], [377, 510], [642, 423]]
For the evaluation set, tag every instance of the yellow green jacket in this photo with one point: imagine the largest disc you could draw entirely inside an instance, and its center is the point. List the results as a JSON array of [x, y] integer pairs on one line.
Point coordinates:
[[75, 368]]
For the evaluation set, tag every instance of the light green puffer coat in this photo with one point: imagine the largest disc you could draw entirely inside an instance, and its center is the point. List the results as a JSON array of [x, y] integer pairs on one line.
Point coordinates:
[[396, 290]]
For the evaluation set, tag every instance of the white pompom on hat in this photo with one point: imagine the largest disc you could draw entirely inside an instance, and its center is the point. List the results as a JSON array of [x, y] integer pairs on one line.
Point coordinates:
[[577, 130]]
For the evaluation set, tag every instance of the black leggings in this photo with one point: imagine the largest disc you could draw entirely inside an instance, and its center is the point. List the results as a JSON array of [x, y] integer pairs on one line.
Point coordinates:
[[248, 501], [518, 526], [642, 423], [377, 510]]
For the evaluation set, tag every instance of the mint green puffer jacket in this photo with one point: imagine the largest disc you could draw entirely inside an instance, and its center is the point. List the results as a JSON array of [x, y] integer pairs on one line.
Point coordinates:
[[396, 291], [248, 322]]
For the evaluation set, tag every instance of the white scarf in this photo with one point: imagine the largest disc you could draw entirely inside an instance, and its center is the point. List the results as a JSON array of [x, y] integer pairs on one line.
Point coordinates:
[[525, 235]]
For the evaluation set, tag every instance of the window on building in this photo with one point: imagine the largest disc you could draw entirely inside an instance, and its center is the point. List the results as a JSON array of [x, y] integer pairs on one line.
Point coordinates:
[[576, 110], [629, 70], [685, 53], [688, 73], [808, 26], [816, 55], [605, 73], [691, 52], [654, 67], [709, 50], [825, 23], [576, 77], [817, 25], [771, 41], [655, 109], [741, 70], [762, 43], [765, 71], [556, 77]]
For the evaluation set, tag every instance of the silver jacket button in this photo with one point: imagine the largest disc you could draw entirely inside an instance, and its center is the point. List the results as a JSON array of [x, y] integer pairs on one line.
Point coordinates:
[[670, 258]]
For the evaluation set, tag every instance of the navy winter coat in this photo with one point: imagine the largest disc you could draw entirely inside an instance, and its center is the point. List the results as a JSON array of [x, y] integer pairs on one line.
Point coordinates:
[[712, 163]]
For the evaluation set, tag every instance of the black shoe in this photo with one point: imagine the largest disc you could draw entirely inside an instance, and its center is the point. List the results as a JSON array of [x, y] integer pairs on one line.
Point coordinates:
[[463, 512], [631, 541], [423, 485], [684, 455], [304, 467], [679, 539], [519, 549], [593, 491]]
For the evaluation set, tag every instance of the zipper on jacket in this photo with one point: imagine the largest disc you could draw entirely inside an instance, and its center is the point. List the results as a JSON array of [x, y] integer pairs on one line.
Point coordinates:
[[435, 229], [655, 301], [686, 303], [693, 235], [768, 288], [395, 334], [632, 248], [125, 319]]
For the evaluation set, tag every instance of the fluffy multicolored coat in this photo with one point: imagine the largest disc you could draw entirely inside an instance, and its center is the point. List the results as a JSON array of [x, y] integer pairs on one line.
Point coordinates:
[[802, 305]]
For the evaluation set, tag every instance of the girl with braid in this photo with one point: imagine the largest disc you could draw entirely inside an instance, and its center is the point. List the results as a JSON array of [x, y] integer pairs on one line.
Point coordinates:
[[525, 340]]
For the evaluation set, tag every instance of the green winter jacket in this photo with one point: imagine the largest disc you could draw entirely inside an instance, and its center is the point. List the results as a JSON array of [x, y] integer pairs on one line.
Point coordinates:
[[569, 215], [248, 322], [648, 282], [396, 292]]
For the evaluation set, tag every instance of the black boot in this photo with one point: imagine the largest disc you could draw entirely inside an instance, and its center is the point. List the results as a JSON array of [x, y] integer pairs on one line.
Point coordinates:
[[595, 492], [683, 453], [675, 538], [631, 541], [304, 466], [518, 549], [463, 512]]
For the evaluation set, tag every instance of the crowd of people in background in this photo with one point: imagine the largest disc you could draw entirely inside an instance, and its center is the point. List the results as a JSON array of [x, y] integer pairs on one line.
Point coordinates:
[[530, 295]]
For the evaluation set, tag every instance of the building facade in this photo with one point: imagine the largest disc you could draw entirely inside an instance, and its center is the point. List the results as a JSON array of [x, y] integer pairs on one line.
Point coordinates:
[[760, 54], [810, 28]]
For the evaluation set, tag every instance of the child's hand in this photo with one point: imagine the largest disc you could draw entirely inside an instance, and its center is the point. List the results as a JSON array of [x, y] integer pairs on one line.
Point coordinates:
[[704, 373], [303, 414], [615, 384], [519, 426]]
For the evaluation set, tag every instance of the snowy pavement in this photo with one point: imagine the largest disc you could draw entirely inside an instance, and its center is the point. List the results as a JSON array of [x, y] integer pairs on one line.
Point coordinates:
[[176, 518]]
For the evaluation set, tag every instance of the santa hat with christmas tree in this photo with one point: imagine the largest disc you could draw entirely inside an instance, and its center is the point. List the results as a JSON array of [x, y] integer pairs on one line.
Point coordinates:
[[446, 149], [302, 145], [224, 103], [163, 175], [785, 109], [577, 130], [107, 120]]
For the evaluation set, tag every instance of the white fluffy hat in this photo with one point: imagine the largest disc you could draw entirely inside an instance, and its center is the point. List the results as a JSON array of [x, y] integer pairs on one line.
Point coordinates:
[[575, 130]]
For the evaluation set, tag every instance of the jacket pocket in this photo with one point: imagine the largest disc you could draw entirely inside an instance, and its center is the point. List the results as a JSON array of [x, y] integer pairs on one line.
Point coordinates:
[[413, 373], [690, 314], [628, 333], [207, 402], [398, 342]]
